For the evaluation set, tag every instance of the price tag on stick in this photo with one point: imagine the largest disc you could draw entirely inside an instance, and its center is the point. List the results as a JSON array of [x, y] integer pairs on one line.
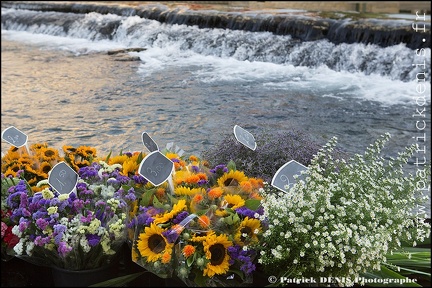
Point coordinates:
[[63, 178], [284, 177], [15, 137], [244, 137], [149, 143], [156, 168]]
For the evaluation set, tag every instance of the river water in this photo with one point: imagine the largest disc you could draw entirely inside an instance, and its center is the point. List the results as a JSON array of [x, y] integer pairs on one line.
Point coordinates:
[[191, 86]]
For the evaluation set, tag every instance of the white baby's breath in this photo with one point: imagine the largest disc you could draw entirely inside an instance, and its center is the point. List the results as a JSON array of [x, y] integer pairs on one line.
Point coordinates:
[[345, 217]]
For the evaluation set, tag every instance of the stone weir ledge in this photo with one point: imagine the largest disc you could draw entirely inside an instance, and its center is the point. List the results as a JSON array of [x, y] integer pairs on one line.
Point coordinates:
[[337, 27]]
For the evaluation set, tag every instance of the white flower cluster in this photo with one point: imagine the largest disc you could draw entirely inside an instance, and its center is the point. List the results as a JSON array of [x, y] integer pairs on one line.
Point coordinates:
[[345, 217]]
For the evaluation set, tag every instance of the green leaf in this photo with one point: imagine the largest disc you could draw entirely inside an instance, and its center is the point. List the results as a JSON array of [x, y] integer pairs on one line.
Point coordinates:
[[157, 203], [231, 166], [146, 197], [252, 204], [140, 158], [108, 157], [190, 260]]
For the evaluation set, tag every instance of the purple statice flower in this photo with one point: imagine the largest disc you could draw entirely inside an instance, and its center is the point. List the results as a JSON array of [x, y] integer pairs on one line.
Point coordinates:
[[171, 235], [19, 173], [41, 223], [23, 224], [39, 214], [195, 168], [63, 249], [88, 218], [202, 182], [138, 179], [180, 217], [77, 205], [88, 172], [243, 210], [130, 195], [145, 215], [93, 239], [221, 168], [41, 241], [59, 230], [237, 253]]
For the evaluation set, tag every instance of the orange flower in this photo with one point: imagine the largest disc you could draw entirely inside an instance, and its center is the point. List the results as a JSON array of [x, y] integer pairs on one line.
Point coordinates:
[[166, 258], [192, 179], [197, 198], [193, 158], [246, 186], [160, 192], [256, 182], [204, 221], [188, 250], [215, 193]]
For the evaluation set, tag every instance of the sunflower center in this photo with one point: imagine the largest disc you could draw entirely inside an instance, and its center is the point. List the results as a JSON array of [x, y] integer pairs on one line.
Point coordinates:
[[217, 254], [231, 182], [156, 243], [49, 153], [46, 168], [245, 230]]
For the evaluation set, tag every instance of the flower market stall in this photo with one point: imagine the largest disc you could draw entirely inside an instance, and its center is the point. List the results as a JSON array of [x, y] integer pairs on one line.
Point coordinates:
[[323, 218]]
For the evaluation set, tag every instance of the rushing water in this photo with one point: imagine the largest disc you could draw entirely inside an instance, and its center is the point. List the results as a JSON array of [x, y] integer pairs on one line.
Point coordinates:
[[191, 86]]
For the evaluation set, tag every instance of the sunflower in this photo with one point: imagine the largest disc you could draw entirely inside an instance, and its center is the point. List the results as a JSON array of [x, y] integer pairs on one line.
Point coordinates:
[[231, 178], [130, 167], [153, 245], [178, 207], [215, 248], [247, 231], [234, 201], [118, 159], [182, 190]]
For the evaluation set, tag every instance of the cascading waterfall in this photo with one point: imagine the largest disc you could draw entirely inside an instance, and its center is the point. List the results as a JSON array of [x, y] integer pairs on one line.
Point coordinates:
[[373, 47]]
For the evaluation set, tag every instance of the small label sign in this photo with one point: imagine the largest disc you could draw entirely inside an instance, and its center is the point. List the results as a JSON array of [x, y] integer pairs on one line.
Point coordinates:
[[14, 137], [284, 177], [156, 168], [245, 137], [63, 178], [149, 143], [176, 150]]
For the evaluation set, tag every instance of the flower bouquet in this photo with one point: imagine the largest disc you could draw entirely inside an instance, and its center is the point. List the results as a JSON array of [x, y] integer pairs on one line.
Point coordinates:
[[8, 239], [80, 230], [203, 228], [340, 222], [33, 164]]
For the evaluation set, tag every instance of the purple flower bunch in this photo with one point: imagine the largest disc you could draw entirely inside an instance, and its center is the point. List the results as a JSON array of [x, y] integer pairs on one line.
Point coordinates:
[[80, 230]]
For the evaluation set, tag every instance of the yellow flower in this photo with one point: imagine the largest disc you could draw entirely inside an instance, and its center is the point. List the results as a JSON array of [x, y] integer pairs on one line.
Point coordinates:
[[234, 201], [231, 178], [152, 244], [215, 248], [118, 159], [182, 190], [130, 167], [178, 207], [248, 227]]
